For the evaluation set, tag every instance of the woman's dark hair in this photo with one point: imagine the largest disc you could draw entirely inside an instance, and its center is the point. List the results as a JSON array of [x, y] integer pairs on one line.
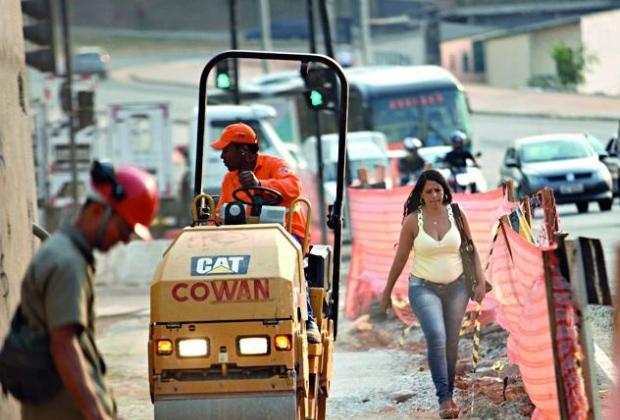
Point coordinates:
[[415, 198]]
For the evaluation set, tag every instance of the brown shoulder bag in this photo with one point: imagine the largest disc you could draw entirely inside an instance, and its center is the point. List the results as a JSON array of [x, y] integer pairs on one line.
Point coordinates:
[[468, 254]]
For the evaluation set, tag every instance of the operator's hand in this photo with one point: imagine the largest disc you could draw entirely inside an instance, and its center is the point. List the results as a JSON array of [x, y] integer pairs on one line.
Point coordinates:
[[248, 179], [386, 301]]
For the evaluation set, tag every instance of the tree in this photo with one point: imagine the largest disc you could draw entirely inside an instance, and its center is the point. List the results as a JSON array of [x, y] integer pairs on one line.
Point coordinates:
[[571, 64]]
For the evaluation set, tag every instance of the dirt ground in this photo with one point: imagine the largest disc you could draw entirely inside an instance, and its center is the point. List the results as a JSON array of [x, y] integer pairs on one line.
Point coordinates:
[[496, 389]]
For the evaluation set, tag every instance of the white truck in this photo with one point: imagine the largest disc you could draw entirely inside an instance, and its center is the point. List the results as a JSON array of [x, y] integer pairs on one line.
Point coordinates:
[[141, 134]]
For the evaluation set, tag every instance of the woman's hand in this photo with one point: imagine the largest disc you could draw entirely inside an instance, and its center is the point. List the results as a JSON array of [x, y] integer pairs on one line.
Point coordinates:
[[480, 289], [386, 301]]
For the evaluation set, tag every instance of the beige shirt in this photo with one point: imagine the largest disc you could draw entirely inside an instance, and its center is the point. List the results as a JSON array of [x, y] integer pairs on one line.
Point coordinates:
[[437, 261], [57, 290]]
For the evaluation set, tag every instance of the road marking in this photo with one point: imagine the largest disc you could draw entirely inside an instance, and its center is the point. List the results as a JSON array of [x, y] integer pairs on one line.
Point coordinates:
[[604, 363]]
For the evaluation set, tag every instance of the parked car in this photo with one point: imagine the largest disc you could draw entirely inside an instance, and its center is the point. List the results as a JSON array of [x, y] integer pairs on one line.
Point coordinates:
[[612, 162], [91, 60], [566, 163]]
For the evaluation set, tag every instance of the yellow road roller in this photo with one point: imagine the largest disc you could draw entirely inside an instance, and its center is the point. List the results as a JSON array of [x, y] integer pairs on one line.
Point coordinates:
[[227, 335]]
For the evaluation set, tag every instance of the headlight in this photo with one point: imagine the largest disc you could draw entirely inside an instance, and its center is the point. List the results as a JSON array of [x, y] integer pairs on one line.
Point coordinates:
[[193, 347], [164, 347], [282, 342], [605, 175], [253, 346]]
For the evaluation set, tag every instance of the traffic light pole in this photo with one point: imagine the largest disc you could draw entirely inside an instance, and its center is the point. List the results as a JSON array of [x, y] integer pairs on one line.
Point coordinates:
[[318, 130], [233, 44], [70, 109]]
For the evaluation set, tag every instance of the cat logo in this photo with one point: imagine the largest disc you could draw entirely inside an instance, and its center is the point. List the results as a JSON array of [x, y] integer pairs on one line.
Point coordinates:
[[220, 265]]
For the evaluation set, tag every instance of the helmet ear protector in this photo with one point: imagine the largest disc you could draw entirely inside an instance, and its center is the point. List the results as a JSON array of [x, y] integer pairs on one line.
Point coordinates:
[[104, 173]]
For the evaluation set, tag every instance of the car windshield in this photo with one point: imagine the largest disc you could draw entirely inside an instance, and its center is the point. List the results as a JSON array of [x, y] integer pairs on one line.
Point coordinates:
[[550, 150], [596, 145], [88, 57]]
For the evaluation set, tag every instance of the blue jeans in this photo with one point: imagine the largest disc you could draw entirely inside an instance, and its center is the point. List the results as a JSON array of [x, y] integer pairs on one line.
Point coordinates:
[[440, 308]]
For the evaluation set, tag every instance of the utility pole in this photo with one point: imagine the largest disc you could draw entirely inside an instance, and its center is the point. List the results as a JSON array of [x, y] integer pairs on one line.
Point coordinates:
[[70, 109], [365, 32], [317, 133], [265, 21], [431, 35], [233, 45]]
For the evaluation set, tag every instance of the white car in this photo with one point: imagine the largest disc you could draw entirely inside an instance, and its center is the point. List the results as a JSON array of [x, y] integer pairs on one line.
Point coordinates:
[[366, 149]]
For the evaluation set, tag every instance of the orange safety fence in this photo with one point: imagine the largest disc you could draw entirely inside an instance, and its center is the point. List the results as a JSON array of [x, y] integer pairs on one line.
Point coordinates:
[[515, 269], [375, 223], [518, 274]]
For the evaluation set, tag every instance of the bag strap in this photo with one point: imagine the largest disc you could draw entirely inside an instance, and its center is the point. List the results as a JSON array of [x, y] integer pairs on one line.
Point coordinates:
[[458, 217]]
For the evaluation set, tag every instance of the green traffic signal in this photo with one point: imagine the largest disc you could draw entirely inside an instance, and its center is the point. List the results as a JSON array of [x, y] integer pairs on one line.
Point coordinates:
[[316, 98], [222, 81]]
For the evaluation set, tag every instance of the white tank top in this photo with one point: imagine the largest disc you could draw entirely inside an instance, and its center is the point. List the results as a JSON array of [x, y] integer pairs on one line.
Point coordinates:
[[437, 261]]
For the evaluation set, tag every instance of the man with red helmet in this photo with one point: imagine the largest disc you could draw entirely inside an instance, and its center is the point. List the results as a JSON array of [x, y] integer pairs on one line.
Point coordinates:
[[248, 168], [58, 289]]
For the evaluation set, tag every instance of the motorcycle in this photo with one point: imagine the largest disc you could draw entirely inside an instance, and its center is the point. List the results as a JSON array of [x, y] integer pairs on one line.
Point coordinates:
[[463, 179]]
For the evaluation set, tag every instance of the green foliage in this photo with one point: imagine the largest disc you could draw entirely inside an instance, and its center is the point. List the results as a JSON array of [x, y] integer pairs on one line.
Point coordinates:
[[571, 64]]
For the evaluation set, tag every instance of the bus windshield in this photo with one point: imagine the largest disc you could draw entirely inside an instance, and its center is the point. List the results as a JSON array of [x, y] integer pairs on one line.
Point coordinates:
[[432, 116]]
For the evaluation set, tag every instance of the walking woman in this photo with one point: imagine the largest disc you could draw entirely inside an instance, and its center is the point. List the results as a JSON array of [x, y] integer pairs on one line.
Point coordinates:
[[437, 289]]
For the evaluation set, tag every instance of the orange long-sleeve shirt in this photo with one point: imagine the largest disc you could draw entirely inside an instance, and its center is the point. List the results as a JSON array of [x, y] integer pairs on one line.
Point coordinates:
[[274, 173]]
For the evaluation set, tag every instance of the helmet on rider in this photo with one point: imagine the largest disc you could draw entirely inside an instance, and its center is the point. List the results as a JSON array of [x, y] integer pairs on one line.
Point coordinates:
[[412, 143], [130, 191], [458, 138]]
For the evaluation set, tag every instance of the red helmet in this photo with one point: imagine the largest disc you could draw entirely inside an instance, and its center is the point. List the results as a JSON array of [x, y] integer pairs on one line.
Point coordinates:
[[131, 192]]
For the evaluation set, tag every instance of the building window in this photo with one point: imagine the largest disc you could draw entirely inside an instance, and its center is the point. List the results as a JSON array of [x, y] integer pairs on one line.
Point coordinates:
[[479, 57], [465, 64]]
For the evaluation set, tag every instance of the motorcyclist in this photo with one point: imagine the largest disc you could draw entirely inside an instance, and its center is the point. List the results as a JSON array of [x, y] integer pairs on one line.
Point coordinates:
[[458, 156], [412, 164], [456, 161]]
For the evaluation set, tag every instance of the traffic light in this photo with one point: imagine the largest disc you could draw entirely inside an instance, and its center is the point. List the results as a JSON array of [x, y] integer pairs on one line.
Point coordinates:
[[43, 30], [223, 79], [321, 87], [86, 108]]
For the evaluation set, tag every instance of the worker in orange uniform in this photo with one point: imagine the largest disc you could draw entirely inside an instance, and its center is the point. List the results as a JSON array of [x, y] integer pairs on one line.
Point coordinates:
[[248, 168]]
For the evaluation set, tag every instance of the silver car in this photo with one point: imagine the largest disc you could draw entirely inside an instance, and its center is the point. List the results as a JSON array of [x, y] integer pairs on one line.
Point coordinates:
[[91, 60], [566, 163]]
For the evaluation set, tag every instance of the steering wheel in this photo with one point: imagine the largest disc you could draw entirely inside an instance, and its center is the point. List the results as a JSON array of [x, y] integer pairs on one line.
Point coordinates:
[[273, 197]]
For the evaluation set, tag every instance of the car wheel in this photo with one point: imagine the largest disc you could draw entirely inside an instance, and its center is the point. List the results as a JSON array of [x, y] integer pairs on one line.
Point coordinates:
[[605, 205], [582, 207]]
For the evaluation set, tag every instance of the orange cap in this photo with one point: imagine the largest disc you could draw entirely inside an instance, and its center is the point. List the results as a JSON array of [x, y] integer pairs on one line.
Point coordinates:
[[235, 133]]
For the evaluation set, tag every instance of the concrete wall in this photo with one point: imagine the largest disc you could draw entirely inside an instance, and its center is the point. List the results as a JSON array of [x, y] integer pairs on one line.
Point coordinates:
[[406, 48], [600, 34], [452, 59], [543, 42], [17, 190], [507, 60]]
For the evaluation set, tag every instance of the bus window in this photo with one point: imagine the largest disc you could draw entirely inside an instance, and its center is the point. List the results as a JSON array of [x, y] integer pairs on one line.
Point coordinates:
[[431, 116]]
